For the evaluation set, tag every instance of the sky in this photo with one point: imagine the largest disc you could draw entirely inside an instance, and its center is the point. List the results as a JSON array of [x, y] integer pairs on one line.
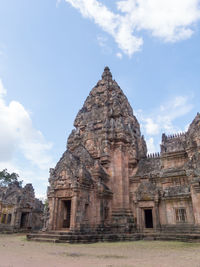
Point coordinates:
[[53, 52]]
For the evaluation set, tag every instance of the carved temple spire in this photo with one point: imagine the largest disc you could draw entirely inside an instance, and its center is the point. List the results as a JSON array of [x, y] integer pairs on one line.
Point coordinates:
[[107, 76]]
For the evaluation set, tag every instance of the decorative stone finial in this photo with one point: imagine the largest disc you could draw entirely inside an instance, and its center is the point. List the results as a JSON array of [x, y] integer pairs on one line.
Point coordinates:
[[107, 74], [164, 137]]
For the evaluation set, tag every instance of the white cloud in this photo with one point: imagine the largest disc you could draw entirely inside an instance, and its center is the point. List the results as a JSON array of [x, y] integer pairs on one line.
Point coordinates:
[[119, 55], [103, 43], [173, 109], [2, 89], [102, 40], [151, 146], [57, 2], [167, 19], [161, 120], [170, 20], [23, 148], [151, 127], [186, 127], [116, 25], [17, 132]]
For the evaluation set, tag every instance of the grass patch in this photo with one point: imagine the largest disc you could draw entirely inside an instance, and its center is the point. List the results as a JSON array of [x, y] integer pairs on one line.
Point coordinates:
[[111, 257], [166, 245], [75, 254], [104, 256], [142, 244], [138, 244], [23, 238]]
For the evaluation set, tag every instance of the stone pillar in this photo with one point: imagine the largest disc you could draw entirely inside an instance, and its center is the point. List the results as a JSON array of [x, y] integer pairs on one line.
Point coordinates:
[[165, 210], [59, 216], [195, 194], [52, 213], [120, 178], [29, 221], [73, 211], [138, 216], [18, 215], [157, 218], [13, 219], [56, 213]]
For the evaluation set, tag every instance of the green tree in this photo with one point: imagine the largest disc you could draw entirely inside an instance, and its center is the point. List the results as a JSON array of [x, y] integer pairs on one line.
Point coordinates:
[[7, 178], [46, 204]]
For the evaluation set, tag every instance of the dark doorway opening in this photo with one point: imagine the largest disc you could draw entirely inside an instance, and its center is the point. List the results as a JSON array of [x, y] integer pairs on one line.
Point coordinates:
[[9, 218], [67, 213], [24, 220], [148, 218]]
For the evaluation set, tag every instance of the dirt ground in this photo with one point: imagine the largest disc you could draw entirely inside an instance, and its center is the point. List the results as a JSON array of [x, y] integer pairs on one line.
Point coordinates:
[[16, 251]]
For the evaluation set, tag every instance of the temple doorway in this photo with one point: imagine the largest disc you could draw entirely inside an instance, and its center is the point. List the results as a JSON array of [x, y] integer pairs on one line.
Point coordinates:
[[24, 220], [67, 213], [148, 218]]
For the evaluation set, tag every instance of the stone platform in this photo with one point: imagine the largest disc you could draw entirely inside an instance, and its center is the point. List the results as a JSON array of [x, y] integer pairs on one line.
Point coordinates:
[[64, 237], [68, 237]]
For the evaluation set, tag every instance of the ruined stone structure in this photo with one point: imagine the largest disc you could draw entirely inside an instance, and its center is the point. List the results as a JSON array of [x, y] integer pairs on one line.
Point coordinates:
[[19, 209], [106, 183]]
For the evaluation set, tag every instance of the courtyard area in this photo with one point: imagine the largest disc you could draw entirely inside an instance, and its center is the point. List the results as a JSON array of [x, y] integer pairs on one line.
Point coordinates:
[[16, 251]]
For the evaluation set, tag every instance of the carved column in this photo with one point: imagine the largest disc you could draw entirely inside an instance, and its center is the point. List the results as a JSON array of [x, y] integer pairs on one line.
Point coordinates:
[[120, 177], [29, 220], [138, 216], [59, 219], [55, 213], [74, 210], [195, 194], [157, 223], [51, 212]]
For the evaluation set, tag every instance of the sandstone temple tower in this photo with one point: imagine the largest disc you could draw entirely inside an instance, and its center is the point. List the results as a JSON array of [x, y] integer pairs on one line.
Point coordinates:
[[106, 182]]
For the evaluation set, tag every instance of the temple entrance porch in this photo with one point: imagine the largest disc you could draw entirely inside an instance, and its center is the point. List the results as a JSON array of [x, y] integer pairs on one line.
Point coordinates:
[[147, 214], [63, 219]]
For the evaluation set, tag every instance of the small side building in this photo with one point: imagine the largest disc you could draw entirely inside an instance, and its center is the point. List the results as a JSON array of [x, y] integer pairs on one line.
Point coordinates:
[[19, 209]]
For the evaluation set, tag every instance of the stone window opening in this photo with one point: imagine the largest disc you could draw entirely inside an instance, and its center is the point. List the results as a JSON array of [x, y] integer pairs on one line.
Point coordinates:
[[181, 215]]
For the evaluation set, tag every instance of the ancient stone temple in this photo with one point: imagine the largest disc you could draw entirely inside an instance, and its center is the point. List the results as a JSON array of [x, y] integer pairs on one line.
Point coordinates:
[[19, 209], [106, 183]]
